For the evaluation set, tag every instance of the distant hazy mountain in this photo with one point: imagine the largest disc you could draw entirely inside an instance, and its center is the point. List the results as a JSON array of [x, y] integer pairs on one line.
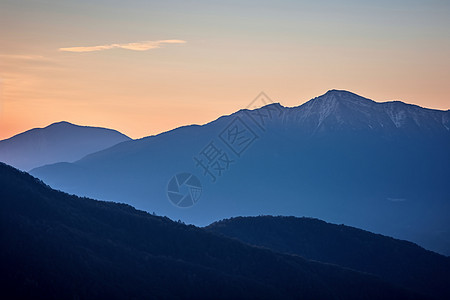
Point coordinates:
[[58, 246], [383, 167], [58, 142], [399, 262]]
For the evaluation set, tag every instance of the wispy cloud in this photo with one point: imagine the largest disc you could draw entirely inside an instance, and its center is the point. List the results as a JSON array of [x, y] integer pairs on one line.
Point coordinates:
[[24, 57], [16, 62], [139, 46]]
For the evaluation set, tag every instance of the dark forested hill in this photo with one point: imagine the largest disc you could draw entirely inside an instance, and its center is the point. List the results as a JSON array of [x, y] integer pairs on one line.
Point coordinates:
[[54, 245], [400, 262]]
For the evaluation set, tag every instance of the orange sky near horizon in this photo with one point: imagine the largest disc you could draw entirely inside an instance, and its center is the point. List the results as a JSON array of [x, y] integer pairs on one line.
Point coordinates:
[[144, 67]]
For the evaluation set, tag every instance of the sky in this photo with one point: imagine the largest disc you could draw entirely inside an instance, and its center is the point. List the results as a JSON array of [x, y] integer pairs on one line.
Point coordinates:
[[144, 67]]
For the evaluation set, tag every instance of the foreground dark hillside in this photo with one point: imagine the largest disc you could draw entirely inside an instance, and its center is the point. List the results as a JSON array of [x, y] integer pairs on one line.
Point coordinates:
[[59, 246], [398, 261]]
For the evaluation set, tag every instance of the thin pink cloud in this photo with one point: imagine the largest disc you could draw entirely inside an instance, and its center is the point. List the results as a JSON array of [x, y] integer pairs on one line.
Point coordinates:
[[138, 46]]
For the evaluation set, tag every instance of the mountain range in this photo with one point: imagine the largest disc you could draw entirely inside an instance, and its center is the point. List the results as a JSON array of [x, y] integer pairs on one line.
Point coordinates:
[[60, 246], [383, 167], [58, 142]]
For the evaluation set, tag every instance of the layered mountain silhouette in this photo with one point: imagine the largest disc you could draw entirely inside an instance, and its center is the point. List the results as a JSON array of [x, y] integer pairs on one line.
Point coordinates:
[[399, 262], [340, 157], [58, 142], [56, 245]]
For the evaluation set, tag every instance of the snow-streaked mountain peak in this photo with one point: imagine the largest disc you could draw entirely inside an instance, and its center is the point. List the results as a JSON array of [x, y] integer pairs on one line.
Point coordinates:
[[343, 109]]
